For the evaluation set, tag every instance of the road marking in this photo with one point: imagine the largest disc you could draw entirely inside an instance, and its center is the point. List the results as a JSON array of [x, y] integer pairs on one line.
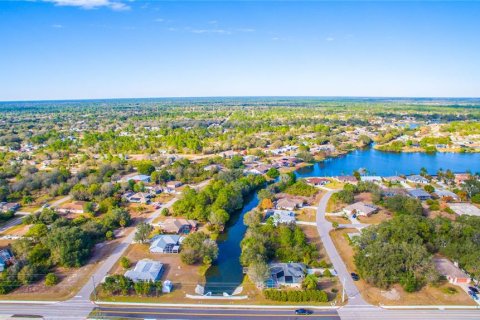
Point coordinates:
[[105, 313]]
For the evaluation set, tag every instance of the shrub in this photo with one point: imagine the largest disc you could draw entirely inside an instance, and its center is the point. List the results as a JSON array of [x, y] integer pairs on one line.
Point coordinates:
[[125, 263], [296, 295], [51, 279]]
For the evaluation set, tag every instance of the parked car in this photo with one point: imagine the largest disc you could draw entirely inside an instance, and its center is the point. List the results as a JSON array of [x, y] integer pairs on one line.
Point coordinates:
[[354, 216], [355, 276], [303, 312], [473, 295], [473, 289]]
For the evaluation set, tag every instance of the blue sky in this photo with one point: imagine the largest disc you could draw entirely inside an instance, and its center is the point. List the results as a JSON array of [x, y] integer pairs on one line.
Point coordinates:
[[72, 49]]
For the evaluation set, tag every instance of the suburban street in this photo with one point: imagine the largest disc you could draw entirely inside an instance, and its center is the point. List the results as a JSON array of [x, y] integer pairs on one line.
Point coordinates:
[[324, 227]]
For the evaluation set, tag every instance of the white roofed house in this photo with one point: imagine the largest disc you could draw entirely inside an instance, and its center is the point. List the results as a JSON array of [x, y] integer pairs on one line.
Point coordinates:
[[281, 216], [464, 208], [446, 195], [360, 209], [166, 243], [139, 197], [146, 270], [416, 178], [377, 179]]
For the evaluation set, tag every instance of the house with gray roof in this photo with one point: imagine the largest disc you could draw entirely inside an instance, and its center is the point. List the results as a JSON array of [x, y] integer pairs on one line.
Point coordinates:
[[416, 178], [286, 274], [420, 194], [146, 270], [166, 243]]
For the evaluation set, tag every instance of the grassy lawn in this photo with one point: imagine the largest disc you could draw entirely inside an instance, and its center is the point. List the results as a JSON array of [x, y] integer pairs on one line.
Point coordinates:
[[429, 295], [336, 185]]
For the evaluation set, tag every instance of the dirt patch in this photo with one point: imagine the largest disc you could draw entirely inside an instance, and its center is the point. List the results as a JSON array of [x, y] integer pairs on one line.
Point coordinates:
[[306, 214], [71, 279], [311, 233], [376, 218], [338, 219]]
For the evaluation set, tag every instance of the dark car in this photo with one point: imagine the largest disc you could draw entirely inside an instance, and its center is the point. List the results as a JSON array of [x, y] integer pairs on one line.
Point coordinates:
[[303, 312], [355, 276], [473, 289]]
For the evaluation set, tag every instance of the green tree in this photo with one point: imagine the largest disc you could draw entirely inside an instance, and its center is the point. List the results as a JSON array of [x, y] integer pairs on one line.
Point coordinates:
[[143, 232]]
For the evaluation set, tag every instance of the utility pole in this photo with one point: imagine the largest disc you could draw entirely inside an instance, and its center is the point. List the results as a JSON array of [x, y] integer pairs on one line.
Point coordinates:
[[343, 290], [94, 289]]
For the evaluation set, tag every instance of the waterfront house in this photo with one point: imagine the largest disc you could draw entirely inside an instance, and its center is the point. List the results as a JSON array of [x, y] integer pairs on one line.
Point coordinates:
[[281, 216], [317, 181], [178, 225], [360, 209], [416, 178], [376, 179], [166, 243], [347, 179], [146, 270], [289, 204], [286, 274], [391, 192], [460, 178], [451, 271], [419, 194], [394, 179]]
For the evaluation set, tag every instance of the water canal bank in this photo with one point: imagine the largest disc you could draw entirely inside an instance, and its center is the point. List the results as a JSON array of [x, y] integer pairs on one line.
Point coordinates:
[[227, 274]]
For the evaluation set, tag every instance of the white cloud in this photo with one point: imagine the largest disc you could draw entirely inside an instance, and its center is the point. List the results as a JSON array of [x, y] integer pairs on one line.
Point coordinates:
[[57, 26], [92, 4], [330, 39], [217, 31], [159, 20]]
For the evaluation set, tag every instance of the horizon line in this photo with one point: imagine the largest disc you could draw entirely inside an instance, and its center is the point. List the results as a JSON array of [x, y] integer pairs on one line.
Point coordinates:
[[242, 97]]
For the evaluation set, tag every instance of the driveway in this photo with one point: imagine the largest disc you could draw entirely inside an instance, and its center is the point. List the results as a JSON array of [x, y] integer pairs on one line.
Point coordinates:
[[324, 227]]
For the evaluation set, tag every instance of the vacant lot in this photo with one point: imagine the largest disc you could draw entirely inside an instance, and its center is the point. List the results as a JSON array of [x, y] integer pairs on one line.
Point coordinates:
[[429, 295], [313, 237]]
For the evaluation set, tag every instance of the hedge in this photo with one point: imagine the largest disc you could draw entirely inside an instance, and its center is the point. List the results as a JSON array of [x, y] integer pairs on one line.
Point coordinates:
[[296, 295]]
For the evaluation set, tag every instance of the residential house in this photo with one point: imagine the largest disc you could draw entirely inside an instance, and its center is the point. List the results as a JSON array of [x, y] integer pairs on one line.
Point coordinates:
[[178, 225], [155, 190], [347, 179], [394, 179], [460, 178], [250, 158], [376, 179], [146, 270], [166, 243], [136, 177], [139, 197], [416, 178], [6, 259], [451, 271], [391, 192], [9, 206], [446, 195], [212, 167], [75, 207], [420, 194], [317, 181], [464, 208], [286, 274], [360, 209], [289, 204], [174, 184], [281, 216]]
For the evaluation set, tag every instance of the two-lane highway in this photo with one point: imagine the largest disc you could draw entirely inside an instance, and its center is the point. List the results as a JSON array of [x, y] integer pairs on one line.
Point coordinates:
[[205, 313]]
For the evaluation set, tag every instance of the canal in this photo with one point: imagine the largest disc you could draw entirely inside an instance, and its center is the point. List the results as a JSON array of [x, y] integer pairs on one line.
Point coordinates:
[[226, 274]]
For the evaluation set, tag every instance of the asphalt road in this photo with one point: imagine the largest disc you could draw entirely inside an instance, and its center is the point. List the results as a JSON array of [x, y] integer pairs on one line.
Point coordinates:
[[202, 313], [324, 227]]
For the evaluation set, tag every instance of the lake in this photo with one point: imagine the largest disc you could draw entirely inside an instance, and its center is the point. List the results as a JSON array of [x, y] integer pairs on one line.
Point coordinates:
[[227, 274], [390, 163]]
